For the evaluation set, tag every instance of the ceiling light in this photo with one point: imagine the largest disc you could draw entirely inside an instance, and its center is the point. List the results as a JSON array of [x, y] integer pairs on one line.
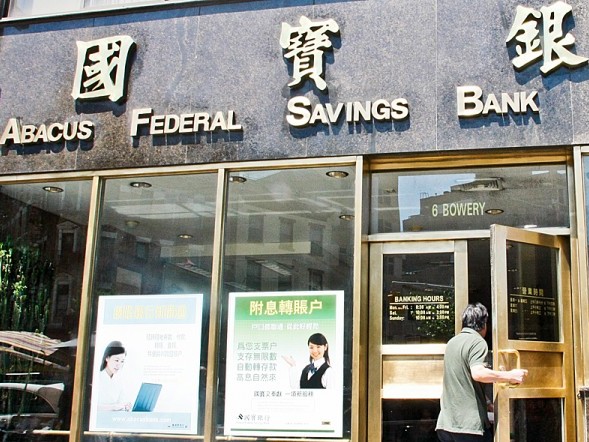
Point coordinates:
[[237, 179], [185, 236], [140, 184], [131, 223], [494, 211], [52, 189], [346, 217], [337, 174]]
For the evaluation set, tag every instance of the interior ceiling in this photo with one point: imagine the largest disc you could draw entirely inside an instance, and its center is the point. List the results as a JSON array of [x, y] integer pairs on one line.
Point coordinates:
[[177, 204], [183, 204]]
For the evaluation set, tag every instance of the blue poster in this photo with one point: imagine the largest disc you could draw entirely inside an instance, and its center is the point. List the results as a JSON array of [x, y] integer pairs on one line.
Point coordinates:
[[147, 364]]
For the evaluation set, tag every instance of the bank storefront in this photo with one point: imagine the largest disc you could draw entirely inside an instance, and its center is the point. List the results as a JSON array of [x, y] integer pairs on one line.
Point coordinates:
[[195, 197]]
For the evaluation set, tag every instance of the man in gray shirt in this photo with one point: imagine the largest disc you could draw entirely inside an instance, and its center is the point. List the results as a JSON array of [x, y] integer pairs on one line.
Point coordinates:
[[463, 415]]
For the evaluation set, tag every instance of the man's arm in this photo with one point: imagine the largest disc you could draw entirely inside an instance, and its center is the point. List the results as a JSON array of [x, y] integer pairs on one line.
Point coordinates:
[[480, 373]]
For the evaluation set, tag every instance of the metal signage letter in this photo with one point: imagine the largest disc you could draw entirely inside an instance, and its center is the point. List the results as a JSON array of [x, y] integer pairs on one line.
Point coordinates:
[[102, 68]]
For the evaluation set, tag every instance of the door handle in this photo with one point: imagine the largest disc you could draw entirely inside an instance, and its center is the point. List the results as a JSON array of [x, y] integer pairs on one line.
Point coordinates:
[[509, 351]]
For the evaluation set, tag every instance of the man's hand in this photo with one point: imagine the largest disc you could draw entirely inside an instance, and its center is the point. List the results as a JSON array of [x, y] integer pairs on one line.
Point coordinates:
[[517, 376]]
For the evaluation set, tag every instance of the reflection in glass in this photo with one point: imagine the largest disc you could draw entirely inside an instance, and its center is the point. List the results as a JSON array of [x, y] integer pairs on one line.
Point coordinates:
[[410, 420], [42, 246], [418, 298], [536, 420], [157, 239], [283, 232], [533, 295], [467, 199]]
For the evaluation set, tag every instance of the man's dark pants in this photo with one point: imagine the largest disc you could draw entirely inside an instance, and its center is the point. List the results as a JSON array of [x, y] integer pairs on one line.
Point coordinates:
[[446, 436]]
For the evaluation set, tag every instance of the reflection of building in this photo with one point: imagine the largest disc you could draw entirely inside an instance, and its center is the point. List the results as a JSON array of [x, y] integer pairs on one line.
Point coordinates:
[[61, 245]]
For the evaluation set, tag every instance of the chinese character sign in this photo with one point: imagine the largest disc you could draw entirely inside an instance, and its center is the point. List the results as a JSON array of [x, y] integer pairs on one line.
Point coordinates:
[[285, 364], [147, 364], [552, 46], [102, 68], [305, 45]]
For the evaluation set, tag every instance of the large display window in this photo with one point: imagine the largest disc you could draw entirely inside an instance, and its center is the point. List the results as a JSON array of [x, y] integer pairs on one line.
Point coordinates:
[[151, 295], [287, 304], [43, 228]]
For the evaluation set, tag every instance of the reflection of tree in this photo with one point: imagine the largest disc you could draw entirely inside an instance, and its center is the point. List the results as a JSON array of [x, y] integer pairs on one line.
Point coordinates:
[[440, 330], [25, 288], [25, 302]]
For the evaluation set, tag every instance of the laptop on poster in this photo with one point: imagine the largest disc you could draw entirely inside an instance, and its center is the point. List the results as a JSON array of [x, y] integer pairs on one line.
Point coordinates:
[[147, 397]]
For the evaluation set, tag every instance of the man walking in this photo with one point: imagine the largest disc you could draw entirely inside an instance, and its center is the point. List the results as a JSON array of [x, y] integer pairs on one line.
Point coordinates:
[[463, 415]]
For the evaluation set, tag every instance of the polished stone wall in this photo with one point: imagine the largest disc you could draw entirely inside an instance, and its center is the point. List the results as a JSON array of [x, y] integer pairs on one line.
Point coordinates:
[[228, 57]]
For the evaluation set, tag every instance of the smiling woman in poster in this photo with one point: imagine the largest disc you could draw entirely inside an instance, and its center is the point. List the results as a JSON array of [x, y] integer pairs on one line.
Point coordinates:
[[110, 385], [318, 373]]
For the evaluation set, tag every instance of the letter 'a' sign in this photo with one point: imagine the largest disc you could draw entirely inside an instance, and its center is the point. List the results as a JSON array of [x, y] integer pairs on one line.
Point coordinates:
[[102, 68]]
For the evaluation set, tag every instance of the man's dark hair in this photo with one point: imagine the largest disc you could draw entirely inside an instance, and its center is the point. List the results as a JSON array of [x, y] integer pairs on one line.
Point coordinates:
[[475, 316]]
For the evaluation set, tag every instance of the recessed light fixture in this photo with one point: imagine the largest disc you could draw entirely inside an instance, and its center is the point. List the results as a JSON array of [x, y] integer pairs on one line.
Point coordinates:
[[237, 179], [131, 223], [337, 174], [530, 226], [185, 236], [52, 189], [346, 217], [494, 211], [140, 184]]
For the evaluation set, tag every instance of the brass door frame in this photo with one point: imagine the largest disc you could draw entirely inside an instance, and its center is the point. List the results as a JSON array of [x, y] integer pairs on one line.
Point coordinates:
[[502, 345], [377, 352]]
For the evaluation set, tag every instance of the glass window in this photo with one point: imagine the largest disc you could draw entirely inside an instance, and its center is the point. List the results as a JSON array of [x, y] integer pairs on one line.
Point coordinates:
[[527, 196], [26, 8], [151, 299], [536, 419], [43, 229], [285, 297], [532, 284], [94, 3], [31, 8], [418, 298]]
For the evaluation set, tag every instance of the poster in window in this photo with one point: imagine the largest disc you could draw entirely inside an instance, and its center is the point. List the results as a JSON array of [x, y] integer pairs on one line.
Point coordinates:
[[285, 364], [147, 364]]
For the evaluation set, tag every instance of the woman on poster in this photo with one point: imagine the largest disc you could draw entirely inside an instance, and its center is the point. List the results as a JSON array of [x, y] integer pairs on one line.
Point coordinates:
[[110, 389], [318, 373]]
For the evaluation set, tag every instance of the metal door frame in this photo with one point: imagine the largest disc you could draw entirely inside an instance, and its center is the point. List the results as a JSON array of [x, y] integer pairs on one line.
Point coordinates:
[[376, 350], [502, 344]]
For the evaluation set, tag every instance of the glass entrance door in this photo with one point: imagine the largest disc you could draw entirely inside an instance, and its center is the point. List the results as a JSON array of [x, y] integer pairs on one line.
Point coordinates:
[[416, 290], [532, 330]]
